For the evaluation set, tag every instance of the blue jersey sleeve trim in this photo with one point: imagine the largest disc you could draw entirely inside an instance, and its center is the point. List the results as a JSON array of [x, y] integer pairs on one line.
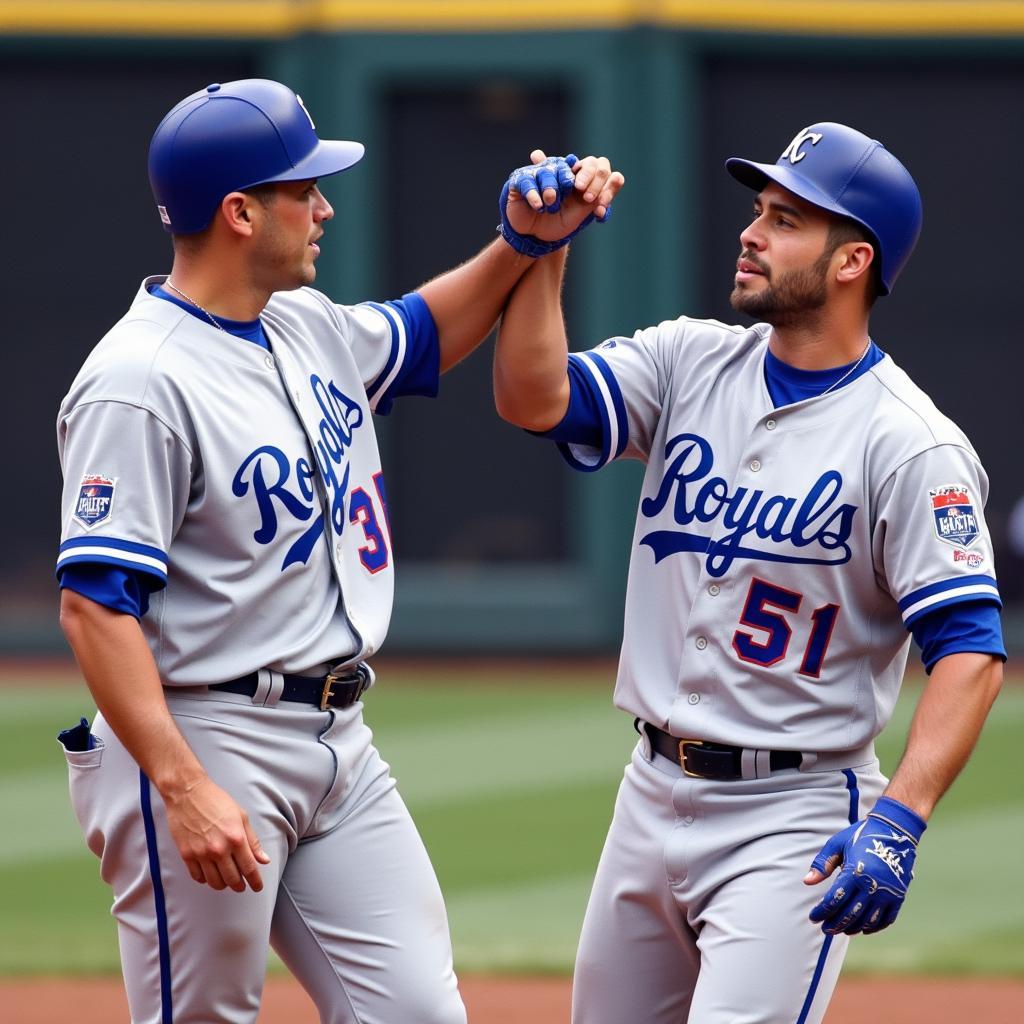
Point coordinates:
[[413, 366], [111, 586], [945, 592], [581, 424], [594, 374], [968, 627], [617, 412], [114, 551], [398, 344]]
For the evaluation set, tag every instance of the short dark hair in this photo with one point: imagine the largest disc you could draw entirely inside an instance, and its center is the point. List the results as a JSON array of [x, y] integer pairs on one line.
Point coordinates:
[[263, 194], [843, 230]]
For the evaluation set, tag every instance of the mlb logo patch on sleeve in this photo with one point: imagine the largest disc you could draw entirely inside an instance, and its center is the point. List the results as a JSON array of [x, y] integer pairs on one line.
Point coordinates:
[[95, 499], [955, 521]]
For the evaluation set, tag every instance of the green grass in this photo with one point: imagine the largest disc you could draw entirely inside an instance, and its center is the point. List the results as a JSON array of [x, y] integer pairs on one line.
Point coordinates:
[[511, 781]]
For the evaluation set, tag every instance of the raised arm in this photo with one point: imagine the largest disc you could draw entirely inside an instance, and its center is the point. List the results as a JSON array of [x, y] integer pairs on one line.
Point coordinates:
[[467, 301], [531, 386], [545, 203]]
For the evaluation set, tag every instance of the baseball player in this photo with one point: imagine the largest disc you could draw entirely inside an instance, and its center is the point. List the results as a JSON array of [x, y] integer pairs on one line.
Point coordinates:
[[226, 567], [805, 507]]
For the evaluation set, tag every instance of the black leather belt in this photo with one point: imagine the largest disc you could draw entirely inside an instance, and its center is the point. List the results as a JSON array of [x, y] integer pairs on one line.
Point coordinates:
[[340, 688], [704, 760]]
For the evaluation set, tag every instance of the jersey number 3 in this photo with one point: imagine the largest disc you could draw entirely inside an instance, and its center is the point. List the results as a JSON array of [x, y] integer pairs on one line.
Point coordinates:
[[758, 613], [374, 553]]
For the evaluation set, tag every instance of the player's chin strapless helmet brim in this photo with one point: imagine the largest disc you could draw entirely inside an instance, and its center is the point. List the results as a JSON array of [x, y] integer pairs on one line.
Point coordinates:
[[843, 171], [230, 137]]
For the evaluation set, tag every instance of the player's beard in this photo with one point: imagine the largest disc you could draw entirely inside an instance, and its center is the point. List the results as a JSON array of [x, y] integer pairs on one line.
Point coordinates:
[[788, 300]]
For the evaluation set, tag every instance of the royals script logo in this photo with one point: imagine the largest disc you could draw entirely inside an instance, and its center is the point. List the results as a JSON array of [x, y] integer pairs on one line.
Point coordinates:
[[281, 488], [766, 527]]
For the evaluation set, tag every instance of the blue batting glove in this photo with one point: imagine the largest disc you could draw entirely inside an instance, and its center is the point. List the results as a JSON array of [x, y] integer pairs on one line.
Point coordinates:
[[877, 856], [553, 172]]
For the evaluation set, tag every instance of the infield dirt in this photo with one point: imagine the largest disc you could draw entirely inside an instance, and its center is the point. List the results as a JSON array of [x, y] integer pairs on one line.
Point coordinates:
[[502, 1000]]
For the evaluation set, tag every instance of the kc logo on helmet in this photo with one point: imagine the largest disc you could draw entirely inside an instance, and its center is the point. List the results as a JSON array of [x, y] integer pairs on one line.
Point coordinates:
[[955, 521], [793, 151], [95, 498]]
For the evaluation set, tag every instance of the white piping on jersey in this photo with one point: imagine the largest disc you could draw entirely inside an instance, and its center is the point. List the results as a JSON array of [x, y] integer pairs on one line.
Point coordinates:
[[984, 589], [606, 395], [118, 553], [398, 325]]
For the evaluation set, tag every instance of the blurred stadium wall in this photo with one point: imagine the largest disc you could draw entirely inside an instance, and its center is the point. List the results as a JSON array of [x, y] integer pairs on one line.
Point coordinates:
[[500, 548]]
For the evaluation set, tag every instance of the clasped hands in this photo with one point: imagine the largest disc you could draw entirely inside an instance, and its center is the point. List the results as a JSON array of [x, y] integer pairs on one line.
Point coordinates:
[[547, 203]]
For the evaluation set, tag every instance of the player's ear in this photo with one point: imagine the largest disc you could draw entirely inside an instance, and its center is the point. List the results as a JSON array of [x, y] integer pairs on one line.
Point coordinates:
[[853, 261], [237, 212]]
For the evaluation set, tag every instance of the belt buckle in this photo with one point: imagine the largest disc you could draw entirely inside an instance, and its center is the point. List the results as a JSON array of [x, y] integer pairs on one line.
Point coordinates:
[[328, 691], [359, 674], [682, 758]]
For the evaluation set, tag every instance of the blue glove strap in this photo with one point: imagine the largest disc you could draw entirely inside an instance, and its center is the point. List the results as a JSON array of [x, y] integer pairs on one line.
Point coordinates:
[[554, 172], [892, 812]]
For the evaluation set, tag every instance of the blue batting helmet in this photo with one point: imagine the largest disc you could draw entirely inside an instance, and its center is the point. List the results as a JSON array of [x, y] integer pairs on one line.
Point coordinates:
[[845, 172], [229, 137]]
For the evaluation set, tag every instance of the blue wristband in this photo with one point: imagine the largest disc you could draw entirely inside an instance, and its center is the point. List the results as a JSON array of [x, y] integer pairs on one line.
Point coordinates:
[[892, 812]]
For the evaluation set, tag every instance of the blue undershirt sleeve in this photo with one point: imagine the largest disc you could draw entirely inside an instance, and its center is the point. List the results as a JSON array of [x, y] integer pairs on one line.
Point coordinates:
[[964, 627], [118, 589]]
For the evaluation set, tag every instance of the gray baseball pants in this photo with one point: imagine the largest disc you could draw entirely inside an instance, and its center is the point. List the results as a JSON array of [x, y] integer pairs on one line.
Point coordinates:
[[698, 911], [350, 900]]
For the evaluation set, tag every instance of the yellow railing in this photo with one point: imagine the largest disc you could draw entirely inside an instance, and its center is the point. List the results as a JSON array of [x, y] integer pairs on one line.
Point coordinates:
[[285, 17]]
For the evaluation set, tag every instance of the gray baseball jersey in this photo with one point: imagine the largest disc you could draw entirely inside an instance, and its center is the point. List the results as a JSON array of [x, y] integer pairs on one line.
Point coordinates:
[[778, 558], [261, 468], [249, 481], [779, 555]]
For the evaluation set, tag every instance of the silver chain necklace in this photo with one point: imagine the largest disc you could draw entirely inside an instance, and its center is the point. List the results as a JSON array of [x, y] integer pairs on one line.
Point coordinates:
[[210, 316], [836, 384]]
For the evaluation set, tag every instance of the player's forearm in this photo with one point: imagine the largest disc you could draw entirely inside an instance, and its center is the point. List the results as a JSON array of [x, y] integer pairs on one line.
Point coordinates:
[[531, 388], [467, 301], [122, 676], [945, 728]]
